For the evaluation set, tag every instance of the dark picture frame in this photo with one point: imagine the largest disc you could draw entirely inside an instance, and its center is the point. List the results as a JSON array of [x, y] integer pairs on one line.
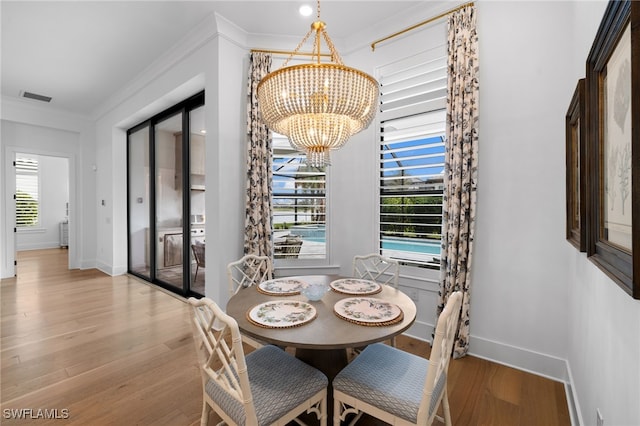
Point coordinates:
[[613, 103], [576, 166]]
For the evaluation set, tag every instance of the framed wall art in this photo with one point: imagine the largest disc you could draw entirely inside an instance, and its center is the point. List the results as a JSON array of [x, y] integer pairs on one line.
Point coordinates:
[[576, 167], [613, 102]]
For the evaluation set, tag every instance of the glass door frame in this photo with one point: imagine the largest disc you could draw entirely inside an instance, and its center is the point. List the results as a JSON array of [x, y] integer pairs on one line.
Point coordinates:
[[183, 108]]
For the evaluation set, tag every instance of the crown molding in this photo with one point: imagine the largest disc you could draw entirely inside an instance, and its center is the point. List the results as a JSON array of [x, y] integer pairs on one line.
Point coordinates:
[[210, 28], [27, 112]]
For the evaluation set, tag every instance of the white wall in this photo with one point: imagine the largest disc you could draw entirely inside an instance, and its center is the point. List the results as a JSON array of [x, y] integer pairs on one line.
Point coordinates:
[[29, 128], [519, 272], [604, 322], [226, 98], [188, 68], [534, 295]]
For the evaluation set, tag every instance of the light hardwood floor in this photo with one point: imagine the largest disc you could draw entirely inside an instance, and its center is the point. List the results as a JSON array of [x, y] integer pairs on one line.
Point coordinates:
[[116, 351]]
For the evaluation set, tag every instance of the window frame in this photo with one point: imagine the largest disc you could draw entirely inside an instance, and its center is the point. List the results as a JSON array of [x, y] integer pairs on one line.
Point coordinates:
[[430, 142], [285, 262], [435, 105]]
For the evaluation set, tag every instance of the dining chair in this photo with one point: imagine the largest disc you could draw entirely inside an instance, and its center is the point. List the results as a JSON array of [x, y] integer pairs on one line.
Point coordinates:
[[266, 387], [247, 271], [377, 268], [198, 250], [288, 247], [398, 387]]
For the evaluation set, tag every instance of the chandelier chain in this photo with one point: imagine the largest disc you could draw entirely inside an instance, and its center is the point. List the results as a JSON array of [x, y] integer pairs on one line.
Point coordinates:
[[317, 46], [335, 56], [298, 47]]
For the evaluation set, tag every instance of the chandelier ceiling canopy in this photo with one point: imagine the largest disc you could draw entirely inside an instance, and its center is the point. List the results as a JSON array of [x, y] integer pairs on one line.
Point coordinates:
[[318, 105]]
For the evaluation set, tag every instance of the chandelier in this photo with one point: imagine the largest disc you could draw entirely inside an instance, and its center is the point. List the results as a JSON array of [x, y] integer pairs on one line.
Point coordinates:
[[318, 106]]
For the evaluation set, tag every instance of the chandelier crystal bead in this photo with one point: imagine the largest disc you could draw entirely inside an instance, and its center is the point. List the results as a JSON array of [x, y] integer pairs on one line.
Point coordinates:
[[318, 106]]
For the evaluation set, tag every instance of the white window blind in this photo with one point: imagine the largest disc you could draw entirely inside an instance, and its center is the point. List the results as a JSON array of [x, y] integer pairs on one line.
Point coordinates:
[[412, 133], [299, 204], [27, 192]]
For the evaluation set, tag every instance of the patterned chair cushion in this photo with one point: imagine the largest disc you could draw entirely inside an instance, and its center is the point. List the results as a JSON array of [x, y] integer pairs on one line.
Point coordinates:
[[279, 382], [388, 378]]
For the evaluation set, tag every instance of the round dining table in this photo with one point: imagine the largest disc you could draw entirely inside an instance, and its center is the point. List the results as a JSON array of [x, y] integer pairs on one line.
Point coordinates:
[[323, 341]]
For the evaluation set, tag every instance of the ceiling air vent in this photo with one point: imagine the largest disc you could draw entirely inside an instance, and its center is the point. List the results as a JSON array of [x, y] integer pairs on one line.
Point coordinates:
[[36, 97]]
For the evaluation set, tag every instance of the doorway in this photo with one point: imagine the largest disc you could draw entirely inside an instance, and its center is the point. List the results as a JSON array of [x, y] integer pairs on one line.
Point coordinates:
[[42, 201], [166, 197]]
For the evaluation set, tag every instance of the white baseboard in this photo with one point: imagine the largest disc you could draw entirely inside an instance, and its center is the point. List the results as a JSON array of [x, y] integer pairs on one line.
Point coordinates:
[[421, 331], [119, 270], [38, 246], [111, 270], [572, 400], [107, 269], [548, 366], [551, 367], [523, 359]]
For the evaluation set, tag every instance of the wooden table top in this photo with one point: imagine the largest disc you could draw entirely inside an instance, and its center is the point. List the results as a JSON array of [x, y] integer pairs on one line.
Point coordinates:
[[327, 330]]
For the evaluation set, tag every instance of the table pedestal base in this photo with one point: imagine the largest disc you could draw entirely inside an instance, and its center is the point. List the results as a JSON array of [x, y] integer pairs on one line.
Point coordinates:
[[330, 362]]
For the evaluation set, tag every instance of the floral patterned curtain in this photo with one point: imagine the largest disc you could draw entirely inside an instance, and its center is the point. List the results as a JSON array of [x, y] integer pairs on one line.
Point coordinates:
[[258, 212], [461, 165]]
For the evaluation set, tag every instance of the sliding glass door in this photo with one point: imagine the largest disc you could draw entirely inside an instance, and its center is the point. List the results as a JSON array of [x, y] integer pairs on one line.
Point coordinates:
[[169, 200], [197, 216], [166, 197]]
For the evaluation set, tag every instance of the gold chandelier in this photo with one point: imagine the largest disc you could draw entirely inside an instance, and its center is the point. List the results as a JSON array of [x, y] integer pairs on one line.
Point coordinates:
[[318, 106]]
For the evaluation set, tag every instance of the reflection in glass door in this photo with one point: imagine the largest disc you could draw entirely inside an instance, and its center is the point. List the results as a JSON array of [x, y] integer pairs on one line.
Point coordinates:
[[140, 250], [169, 190], [197, 197]]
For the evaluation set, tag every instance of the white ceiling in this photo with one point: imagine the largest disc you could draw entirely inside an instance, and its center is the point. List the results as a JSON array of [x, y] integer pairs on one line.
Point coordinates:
[[81, 52]]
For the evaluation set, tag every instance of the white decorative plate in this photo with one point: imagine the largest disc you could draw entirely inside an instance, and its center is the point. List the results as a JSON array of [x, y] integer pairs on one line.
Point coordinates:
[[367, 311], [356, 286], [281, 314], [281, 287]]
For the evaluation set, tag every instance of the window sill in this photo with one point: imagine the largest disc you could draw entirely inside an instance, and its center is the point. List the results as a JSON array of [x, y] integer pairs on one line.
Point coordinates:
[[31, 230]]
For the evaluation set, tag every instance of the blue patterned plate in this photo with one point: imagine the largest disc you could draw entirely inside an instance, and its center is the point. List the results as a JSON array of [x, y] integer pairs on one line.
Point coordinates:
[[281, 314], [356, 286], [281, 287], [367, 310]]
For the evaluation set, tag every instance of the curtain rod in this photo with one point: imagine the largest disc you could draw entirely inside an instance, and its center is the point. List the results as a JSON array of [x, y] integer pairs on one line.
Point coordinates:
[[413, 27], [288, 52]]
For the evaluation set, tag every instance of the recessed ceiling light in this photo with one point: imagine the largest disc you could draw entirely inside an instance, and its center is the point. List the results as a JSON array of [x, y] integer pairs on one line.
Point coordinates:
[[305, 10]]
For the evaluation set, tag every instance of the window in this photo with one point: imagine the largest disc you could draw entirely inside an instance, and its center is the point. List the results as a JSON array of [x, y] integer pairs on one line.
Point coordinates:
[[412, 133], [299, 204], [27, 192]]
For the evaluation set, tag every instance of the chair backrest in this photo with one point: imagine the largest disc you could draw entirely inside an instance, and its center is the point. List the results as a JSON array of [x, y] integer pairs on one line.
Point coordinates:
[[247, 271], [220, 354], [376, 268], [441, 350], [198, 254]]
